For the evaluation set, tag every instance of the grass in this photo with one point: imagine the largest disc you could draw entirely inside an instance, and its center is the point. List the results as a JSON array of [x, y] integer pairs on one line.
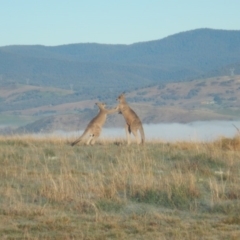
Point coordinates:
[[182, 190]]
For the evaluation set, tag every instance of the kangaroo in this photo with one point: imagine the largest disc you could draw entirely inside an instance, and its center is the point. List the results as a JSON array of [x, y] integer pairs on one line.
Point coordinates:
[[133, 123], [94, 128]]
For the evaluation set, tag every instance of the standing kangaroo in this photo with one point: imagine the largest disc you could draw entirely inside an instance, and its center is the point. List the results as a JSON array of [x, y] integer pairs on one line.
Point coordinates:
[[94, 128], [133, 123]]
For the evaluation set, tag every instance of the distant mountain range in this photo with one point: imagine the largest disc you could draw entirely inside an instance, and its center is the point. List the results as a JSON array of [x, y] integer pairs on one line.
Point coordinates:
[[35, 76], [179, 57]]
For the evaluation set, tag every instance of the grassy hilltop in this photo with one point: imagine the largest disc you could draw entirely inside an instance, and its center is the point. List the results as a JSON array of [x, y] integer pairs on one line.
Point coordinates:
[[182, 190]]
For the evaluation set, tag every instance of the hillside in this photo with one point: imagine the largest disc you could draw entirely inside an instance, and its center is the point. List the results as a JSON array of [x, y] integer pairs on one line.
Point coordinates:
[[214, 98], [182, 56], [179, 78]]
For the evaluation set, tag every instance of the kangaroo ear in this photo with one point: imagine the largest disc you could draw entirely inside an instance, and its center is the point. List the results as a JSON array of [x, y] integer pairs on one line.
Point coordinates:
[[122, 94]]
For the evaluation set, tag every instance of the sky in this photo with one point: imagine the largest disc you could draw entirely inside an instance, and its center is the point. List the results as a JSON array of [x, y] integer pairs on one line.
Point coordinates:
[[58, 22]]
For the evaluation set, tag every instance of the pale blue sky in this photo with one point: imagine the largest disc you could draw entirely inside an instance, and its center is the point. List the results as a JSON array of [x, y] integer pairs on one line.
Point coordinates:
[[57, 22]]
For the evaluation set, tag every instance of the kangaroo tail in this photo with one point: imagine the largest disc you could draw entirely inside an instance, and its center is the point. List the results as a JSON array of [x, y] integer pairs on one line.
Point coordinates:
[[76, 141], [79, 139], [142, 134]]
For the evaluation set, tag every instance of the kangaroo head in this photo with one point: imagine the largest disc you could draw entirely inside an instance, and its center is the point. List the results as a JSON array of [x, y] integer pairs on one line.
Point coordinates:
[[101, 105], [121, 98]]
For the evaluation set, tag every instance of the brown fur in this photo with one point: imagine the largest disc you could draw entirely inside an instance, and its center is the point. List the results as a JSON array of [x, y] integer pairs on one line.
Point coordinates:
[[133, 123], [94, 128]]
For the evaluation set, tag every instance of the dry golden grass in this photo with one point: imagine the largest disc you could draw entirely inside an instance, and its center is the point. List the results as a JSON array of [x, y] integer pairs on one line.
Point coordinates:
[[182, 190]]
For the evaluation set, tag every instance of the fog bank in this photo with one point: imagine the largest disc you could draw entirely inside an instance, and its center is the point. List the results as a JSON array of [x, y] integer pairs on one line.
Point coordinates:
[[194, 131]]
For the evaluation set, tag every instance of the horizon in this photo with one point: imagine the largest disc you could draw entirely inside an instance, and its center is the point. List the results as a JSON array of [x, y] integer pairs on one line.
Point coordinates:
[[76, 43]]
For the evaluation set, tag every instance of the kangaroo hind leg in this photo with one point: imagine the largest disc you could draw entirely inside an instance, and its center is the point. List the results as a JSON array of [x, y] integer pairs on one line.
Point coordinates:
[[136, 135], [97, 132], [93, 140], [128, 132], [90, 139]]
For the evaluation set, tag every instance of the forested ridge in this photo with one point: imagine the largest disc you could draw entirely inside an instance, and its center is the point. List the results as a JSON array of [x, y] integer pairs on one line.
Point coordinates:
[[179, 57]]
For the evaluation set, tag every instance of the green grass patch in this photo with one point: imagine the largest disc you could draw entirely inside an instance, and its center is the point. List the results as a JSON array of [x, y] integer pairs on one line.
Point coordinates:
[[108, 205], [178, 197]]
